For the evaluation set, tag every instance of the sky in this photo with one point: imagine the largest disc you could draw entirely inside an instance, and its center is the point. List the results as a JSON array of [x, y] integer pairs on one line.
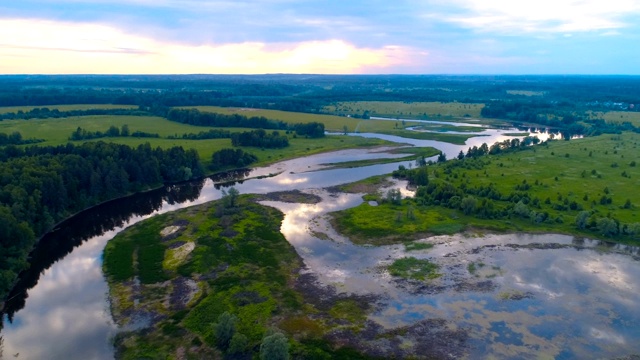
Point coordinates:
[[320, 37]]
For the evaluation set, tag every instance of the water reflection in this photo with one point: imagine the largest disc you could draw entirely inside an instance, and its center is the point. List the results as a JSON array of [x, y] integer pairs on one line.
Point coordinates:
[[530, 295], [63, 296]]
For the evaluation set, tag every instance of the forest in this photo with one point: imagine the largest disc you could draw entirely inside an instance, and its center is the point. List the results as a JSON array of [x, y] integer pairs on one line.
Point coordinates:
[[40, 186]]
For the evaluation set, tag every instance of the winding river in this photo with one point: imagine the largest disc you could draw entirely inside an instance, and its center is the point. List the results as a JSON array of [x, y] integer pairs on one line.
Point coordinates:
[[526, 299]]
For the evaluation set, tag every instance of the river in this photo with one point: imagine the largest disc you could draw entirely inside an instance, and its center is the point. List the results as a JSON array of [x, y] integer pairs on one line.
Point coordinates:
[[59, 310]]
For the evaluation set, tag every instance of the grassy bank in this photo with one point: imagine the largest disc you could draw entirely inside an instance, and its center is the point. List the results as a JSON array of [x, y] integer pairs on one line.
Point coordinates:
[[186, 268], [539, 189]]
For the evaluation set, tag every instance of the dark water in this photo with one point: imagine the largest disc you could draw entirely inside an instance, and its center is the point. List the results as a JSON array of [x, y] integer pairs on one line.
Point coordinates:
[[59, 308]]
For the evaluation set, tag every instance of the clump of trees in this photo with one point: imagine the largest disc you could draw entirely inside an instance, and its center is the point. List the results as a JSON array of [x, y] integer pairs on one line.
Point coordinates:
[[204, 135], [196, 117], [274, 346], [260, 138], [15, 138], [112, 131], [236, 158]]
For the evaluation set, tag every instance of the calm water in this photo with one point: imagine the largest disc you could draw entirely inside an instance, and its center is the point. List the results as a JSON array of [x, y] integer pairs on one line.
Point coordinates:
[[59, 310]]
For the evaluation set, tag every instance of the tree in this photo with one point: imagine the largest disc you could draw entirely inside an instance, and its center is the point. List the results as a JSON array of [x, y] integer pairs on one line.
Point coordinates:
[[468, 205], [582, 219], [394, 196], [521, 210], [224, 329], [607, 226], [124, 131], [274, 347], [238, 344], [442, 157], [229, 197]]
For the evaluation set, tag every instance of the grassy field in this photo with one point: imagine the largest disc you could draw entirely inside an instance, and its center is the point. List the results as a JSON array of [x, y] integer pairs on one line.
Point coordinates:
[[8, 109], [57, 132], [618, 116], [331, 123], [234, 260], [561, 179], [412, 110]]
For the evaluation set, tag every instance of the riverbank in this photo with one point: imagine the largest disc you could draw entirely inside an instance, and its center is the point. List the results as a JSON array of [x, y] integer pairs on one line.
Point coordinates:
[[582, 187]]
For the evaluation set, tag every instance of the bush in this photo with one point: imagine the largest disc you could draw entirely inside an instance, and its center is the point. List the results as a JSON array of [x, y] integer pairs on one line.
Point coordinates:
[[225, 329], [274, 347]]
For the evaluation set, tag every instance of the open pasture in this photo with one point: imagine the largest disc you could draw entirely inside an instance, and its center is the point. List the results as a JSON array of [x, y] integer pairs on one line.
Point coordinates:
[[413, 110]]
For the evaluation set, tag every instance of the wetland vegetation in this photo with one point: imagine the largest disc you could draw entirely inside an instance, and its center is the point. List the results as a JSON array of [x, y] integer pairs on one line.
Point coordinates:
[[560, 186], [181, 275], [221, 279]]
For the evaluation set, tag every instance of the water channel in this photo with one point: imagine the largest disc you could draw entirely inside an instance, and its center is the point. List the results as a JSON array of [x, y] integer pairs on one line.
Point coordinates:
[[570, 300]]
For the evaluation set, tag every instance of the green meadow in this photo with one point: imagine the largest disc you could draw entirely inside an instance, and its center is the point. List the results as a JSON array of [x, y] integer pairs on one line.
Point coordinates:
[[413, 110], [57, 132], [618, 116], [597, 176]]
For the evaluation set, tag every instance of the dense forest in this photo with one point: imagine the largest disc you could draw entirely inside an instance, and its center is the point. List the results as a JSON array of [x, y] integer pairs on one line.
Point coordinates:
[[39, 186]]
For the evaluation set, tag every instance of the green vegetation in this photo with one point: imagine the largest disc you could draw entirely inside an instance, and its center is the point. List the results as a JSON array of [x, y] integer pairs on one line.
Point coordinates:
[[414, 269], [408, 110], [390, 223], [417, 246], [13, 109], [584, 186], [57, 131], [331, 123], [617, 116], [241, 301], [40, 186]]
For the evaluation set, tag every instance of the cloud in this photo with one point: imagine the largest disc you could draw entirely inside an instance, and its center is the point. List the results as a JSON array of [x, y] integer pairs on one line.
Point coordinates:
[[529, 16], [37, 46]]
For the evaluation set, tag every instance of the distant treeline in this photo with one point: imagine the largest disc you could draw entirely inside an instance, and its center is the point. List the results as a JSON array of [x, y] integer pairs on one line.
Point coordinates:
[[15, 138], [204, 135], [199, 118], [112, 131], [196, 117], [46, 113], [42, 185]]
